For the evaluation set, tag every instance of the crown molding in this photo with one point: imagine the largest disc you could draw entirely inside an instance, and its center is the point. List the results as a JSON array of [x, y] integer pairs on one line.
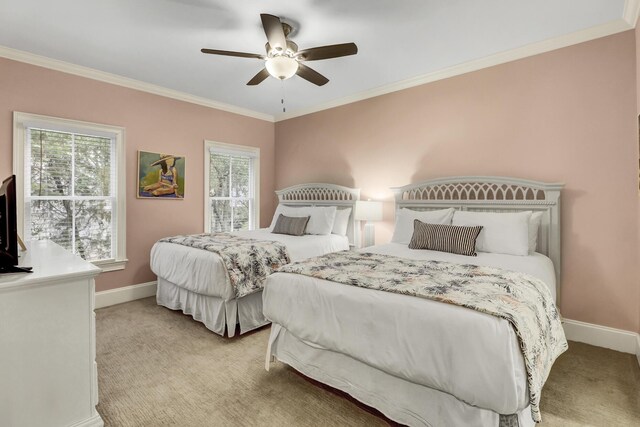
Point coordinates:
[[631, 12], [629, 19], [91, 73], [537, 48]]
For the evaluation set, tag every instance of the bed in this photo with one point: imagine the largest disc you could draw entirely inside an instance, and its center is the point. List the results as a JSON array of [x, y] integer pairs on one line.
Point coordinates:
[[418, 361], [196, 281]]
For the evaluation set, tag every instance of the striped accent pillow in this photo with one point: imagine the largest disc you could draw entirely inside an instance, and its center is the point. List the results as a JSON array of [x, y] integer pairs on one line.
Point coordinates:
[[454, 239], [293, 226]]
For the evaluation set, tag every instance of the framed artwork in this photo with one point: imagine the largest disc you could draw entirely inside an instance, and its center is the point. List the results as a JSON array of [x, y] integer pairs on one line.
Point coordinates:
[[160, 176]]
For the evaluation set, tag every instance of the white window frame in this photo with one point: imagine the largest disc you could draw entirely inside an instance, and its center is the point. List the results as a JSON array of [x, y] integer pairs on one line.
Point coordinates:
[[241, 150], [22, 121]]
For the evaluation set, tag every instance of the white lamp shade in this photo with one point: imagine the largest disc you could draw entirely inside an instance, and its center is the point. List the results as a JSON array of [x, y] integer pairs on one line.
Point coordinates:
[[368, 211], [281, 67]]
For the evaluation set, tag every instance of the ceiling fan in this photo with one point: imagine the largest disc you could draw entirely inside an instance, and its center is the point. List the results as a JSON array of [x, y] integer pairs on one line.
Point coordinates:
[[283, 59]]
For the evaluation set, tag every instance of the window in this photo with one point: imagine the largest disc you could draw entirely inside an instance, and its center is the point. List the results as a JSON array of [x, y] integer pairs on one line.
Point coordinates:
[[71, 186], [231, 187]]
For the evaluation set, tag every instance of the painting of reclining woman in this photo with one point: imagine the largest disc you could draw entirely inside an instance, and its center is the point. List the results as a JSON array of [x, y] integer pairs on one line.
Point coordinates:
[[160, 176]]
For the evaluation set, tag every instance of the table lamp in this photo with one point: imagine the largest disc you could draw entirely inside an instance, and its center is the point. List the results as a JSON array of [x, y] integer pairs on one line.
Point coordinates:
[[368, 211]]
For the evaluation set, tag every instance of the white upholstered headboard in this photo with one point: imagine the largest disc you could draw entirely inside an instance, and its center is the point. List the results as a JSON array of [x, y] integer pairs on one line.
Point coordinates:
[[493, 194], [320, 194]]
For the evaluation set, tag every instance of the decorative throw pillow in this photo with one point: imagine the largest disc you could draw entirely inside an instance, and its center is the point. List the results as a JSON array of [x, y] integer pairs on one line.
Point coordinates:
[[454, 239], [293, 226], [404, 222], [320, 217]]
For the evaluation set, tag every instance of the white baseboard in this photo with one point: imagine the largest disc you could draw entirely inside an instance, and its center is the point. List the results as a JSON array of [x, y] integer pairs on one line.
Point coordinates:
[[125, 294], [602, 336], [94, 421]]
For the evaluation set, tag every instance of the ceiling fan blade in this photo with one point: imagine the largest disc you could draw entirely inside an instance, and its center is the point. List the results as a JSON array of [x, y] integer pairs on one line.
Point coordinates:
[[273, 29], [258, 78], [231, 53], [327, 52], [311, 75]]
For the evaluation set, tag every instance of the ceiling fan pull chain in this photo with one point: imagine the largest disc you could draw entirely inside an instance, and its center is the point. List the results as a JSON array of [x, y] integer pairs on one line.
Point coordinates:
[[284, 108]]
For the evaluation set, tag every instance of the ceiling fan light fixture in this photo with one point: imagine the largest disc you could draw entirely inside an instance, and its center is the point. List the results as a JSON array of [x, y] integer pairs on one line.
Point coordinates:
[[281, 67], [283, 59]]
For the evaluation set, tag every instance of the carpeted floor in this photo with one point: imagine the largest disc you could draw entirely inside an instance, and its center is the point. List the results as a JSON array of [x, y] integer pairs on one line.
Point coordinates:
[[158, 367]]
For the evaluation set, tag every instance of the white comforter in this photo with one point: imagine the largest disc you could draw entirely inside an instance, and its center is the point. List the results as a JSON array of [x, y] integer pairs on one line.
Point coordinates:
[[204, 272], [471, 355]]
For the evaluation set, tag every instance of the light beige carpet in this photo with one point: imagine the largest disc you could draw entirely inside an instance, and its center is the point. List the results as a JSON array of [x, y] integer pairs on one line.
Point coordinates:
[[158, 367]]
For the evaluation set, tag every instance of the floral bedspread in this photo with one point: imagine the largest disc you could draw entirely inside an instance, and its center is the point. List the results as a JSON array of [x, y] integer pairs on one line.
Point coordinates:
[[521, 299], [248, 261]]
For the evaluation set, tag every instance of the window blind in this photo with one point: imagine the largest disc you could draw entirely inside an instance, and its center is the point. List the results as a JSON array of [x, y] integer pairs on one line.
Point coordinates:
[[70, 191], [231, 190]]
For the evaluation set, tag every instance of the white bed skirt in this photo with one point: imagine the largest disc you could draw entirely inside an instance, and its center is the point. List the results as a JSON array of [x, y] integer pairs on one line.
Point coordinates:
[[400, 400], [216, 313]]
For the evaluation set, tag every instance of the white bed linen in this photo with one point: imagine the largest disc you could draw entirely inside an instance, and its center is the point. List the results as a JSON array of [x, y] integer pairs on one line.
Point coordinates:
[[536, 264], [471, 355], [400, 400], [214, 312], [204, 273]]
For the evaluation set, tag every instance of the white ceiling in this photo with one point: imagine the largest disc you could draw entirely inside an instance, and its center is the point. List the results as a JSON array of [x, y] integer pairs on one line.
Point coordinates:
[[159, 41]]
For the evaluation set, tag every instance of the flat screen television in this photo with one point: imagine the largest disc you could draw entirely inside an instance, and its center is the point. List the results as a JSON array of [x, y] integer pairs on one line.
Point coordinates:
[[9, 228]]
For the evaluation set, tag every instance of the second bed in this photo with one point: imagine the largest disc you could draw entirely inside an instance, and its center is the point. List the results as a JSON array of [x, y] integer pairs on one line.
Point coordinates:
[[197, 282]]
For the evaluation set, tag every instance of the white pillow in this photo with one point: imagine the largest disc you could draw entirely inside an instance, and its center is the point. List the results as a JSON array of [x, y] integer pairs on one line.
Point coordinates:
[[320, 218], [502, 233], [341, 222], [404, 222], [534, 225]]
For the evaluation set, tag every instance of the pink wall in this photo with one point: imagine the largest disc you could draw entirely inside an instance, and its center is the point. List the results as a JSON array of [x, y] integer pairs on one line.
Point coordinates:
[[152, 123], [637, 33], [567, 115]]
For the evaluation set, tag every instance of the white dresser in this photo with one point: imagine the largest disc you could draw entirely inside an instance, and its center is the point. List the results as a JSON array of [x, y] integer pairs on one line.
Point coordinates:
[[48, 374]]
